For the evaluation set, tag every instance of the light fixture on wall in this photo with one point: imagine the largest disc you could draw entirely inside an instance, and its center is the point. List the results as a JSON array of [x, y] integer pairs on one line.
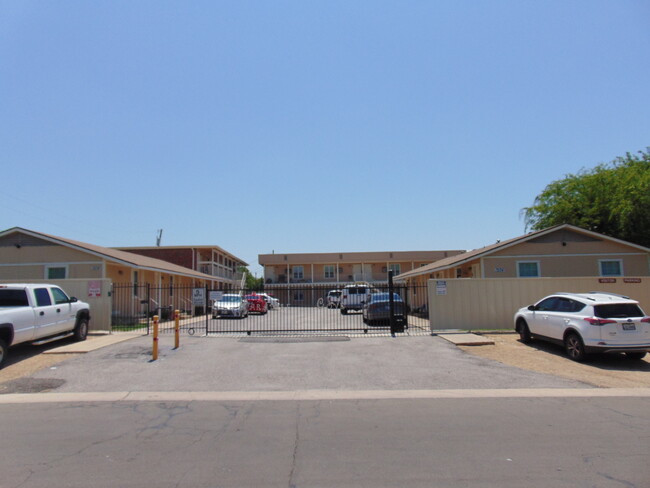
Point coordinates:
[[18, 246]]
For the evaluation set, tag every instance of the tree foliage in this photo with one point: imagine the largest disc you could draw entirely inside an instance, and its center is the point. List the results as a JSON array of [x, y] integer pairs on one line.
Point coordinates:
[[252, 283], [612, 198]]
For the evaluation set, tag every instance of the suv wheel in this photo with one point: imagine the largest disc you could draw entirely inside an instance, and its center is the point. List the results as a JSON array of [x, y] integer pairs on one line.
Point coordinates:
[[574, 347], [344, 311], [524, 331]]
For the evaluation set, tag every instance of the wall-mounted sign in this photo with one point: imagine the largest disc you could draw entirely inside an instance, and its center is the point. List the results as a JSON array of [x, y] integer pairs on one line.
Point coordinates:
[[631, 280], [198, 297], [499, 270], [606, 280], [94, 288], [441, 287]]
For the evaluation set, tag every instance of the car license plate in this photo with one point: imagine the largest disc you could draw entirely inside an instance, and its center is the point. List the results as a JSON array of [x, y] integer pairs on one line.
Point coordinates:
[[629, 327]]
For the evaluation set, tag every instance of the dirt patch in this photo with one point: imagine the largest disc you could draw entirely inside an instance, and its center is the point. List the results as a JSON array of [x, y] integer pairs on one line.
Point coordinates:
[[607, 371], [25, 360]]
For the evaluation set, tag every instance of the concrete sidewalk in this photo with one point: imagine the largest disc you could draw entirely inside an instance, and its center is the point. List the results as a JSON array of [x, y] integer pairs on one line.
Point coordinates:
[[93, 342]]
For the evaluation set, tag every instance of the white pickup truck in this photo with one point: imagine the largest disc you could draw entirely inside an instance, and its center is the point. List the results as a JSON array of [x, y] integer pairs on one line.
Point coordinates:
[[39, 313]]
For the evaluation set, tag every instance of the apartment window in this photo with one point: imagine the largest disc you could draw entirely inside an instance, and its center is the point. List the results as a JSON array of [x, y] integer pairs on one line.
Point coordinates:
[[297, 272], [56, 272], [298, 296], [330, 271], [528, 269], [611, 267], [396, 268], [135, 283]]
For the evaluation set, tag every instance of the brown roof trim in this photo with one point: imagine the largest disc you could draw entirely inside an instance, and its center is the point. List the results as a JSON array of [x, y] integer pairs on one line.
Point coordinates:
[[460, 259], [121, 257]]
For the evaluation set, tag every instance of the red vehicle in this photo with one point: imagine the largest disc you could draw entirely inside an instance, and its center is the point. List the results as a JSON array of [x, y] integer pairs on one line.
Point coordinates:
[[256, 304]]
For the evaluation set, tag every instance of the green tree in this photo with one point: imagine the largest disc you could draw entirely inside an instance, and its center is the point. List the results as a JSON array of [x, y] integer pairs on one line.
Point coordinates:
[[612, 198], [251, 283]]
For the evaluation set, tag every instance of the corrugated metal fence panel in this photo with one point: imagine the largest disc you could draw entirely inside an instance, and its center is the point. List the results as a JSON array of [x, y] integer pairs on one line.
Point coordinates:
[[100, 306], [473, 304]]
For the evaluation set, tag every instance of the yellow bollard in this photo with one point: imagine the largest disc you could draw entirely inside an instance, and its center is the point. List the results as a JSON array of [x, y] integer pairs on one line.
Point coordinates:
[[155, 338], [177, 327]]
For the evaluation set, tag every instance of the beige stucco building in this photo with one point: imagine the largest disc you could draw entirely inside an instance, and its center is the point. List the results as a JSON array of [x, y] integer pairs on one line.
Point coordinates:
[[336, 268], [560, 251], [29, 255]]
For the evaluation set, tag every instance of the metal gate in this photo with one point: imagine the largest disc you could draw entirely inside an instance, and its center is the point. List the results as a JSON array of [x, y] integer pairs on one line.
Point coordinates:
[[300, 309]]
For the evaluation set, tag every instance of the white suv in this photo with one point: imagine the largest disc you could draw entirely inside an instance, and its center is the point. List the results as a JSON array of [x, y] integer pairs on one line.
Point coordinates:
[[354, 296], [594, 322]]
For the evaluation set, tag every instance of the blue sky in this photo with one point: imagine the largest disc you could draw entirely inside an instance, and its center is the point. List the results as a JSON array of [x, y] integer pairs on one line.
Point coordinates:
[[309, 126]]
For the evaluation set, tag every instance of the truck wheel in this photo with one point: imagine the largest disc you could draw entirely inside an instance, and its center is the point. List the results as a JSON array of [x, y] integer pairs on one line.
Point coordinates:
[[81, 330], [3, 352]]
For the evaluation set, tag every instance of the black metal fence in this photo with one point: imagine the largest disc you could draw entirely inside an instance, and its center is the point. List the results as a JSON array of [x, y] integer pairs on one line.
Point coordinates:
[[291, 310]]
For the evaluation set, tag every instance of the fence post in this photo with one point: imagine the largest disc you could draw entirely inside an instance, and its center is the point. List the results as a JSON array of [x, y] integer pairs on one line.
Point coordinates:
[[207, 315], [155, 338], [391, 303], [177, 320]]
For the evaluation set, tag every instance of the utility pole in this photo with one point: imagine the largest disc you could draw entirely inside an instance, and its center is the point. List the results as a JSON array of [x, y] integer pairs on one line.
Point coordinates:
[[159, 237]]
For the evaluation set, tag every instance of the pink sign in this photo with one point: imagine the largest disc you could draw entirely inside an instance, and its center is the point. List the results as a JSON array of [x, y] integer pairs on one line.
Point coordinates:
[[94, 288]]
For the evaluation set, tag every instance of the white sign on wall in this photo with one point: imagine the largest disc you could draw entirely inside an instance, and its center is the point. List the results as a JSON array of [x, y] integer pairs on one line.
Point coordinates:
[[441, 287], [198, 297]]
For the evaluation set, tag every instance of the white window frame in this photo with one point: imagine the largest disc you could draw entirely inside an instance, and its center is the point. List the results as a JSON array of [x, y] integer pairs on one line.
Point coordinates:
[[48, 267], [295, 275], [620, 265], [396, 267], [329, 271], [539, 269]]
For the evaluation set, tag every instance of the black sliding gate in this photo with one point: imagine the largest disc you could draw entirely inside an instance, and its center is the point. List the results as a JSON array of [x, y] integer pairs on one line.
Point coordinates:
[[300, 309]]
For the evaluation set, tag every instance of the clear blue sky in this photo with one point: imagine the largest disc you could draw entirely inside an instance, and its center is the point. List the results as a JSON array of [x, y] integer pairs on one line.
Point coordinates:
[[309, 126]]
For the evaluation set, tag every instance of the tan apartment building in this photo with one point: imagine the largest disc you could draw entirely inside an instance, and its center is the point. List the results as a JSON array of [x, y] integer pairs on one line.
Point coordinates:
[[339, 268], [214, 261], [560, 251], [110, 280]]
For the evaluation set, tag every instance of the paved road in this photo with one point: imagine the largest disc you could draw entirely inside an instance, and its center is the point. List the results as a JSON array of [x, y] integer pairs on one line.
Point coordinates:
[[230, 364], [492, 442], [315, 412]]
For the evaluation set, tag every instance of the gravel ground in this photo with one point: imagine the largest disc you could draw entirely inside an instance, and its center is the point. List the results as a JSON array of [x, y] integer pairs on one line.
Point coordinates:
[[612, 371]]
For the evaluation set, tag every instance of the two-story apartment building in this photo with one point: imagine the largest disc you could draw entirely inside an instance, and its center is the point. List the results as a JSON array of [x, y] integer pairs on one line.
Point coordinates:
[[339, 268], [210, 260]]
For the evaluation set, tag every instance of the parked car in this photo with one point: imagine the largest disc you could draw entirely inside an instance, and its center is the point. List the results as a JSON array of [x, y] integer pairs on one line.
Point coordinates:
[[230, 305], [39, 313], [376, 310], [585, 323], [354, 296], [271, 302], [256, 304], [334, 298]]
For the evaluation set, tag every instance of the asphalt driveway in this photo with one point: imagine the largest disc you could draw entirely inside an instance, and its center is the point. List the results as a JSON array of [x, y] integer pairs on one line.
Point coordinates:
[[282, 364]]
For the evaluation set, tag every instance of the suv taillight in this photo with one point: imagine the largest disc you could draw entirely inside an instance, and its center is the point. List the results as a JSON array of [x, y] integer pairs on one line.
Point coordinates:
[[595, 321], [646, 320]]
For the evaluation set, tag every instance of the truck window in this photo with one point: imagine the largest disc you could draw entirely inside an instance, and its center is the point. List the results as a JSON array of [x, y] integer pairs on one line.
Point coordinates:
[[13, 298], [42, 297], [59, 296]]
